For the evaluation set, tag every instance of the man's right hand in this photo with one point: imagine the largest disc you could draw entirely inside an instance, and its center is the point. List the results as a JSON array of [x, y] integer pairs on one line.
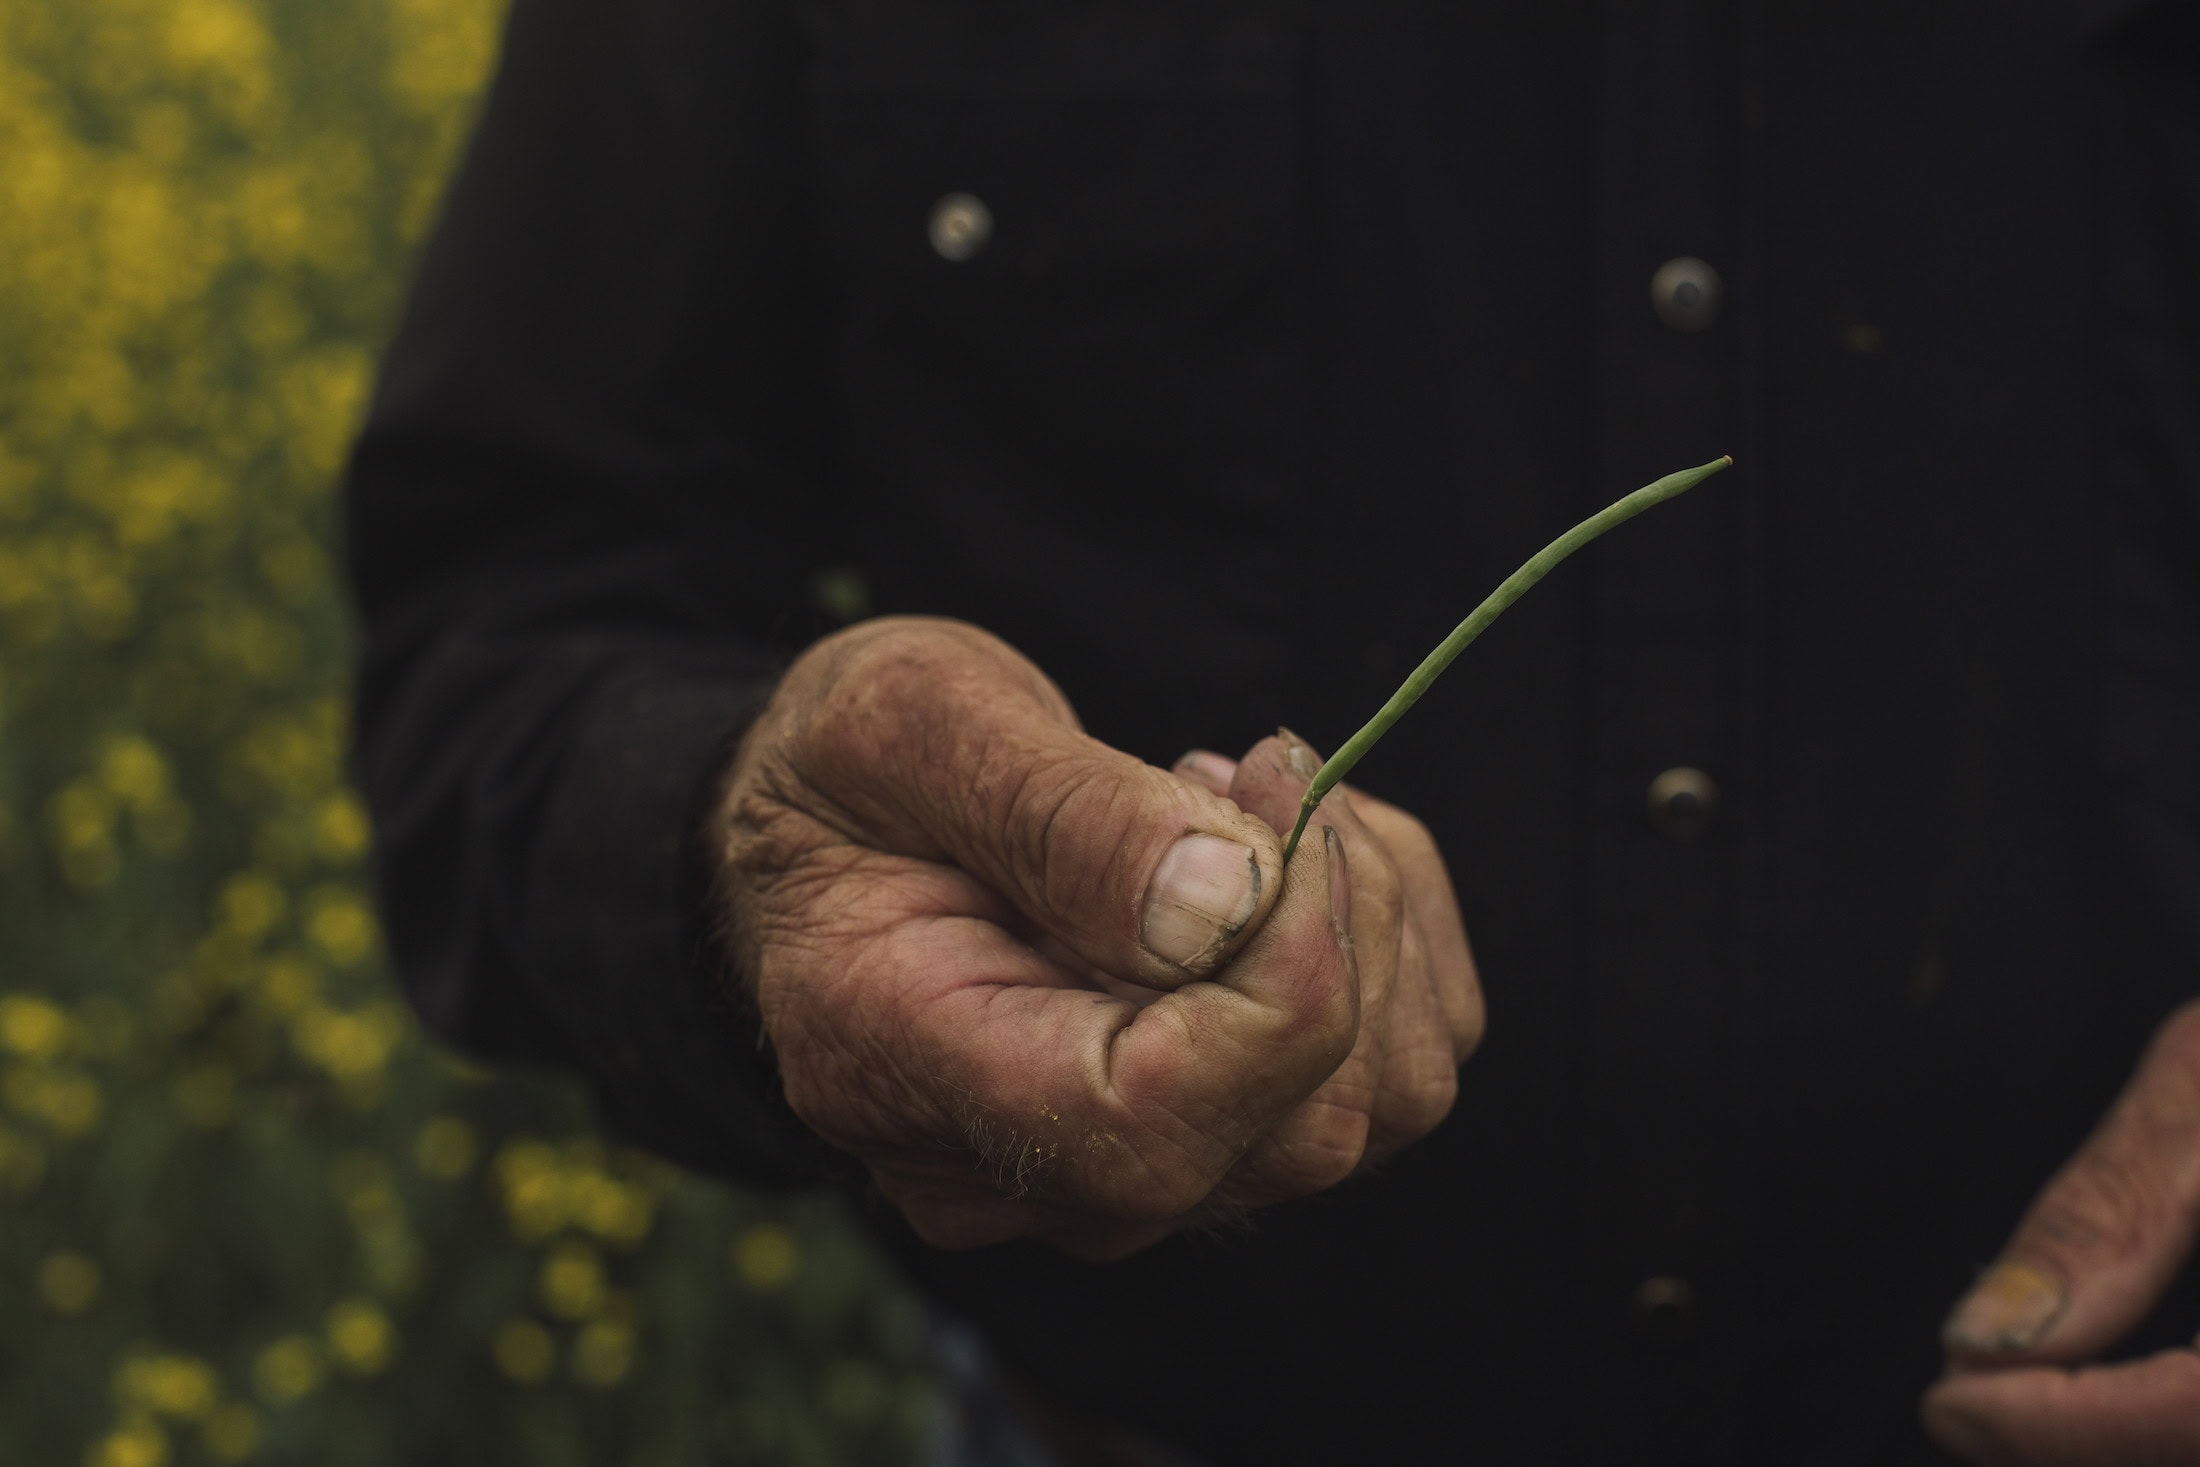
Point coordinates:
[[1043, 989]]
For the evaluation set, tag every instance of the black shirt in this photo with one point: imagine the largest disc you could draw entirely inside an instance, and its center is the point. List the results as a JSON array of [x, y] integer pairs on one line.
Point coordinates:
[[1283, 331]]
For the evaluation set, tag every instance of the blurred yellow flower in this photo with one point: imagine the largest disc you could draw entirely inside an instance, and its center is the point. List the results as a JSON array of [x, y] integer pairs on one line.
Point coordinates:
[[73, 1104], [603, 1353], [361, 1337], [182, 1386], [83, 819], [533, 1184], [64, 1099], [440, 52], [341, 926], [572, 1283], [287, 985], [250, 904], [288, 1369], [524, 1351], [446, 1148], [138, 1443], [232, 1433], [32, 1026], [766, 1256], [619, 1213], [134, 772], [340, 827], [68, 1282], [344, 1044]]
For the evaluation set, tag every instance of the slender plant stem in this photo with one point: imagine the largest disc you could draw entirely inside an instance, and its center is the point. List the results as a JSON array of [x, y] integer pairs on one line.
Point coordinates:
[[1539, 565]]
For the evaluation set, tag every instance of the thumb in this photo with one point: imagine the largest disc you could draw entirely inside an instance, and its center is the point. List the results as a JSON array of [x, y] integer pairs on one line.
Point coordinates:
[[2111, 1230], [959, 750]]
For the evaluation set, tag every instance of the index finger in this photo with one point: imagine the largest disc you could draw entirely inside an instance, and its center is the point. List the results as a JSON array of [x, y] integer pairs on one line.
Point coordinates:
[[1137, 1111]]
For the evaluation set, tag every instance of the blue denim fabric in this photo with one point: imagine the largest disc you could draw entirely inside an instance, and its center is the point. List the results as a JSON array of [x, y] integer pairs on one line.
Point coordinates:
[[979, 1427]]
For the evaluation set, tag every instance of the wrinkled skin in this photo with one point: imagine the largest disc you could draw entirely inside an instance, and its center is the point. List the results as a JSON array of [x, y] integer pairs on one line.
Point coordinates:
[[2099, 1247], [949, 904]]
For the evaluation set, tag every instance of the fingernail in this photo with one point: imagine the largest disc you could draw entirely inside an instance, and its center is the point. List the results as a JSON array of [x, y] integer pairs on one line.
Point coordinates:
[[2007, 1310], [1298, 755], [1202, 895], [1340, 894], [1207, 770]]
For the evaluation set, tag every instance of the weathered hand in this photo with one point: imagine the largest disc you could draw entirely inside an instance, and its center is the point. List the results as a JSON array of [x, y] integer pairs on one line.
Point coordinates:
[[2093, 1255], [1043, 989]]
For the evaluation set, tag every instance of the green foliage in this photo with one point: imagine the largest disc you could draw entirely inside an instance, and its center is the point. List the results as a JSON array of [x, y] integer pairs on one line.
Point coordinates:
[[246, 1213]]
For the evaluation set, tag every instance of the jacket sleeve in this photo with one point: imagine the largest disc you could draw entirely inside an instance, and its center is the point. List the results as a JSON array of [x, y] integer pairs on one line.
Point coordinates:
[[579, 524]]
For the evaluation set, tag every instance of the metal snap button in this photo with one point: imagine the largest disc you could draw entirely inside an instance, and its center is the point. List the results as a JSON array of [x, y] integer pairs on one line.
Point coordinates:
[[1664, 1310], [1681, 802], [1685, 293], [961, 224]]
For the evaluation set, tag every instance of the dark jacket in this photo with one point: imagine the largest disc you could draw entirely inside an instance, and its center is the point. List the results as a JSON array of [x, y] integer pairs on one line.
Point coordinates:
[[1297, 327]]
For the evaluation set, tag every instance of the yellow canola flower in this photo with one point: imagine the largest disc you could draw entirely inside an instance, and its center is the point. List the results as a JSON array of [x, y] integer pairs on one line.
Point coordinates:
[[440, 52], [766, 1256], [83, 816], [139, 1443], [73, 1104], [532, 1180], [68, 1282], [177, 1385], [525, 1351], [133, 770], [323, 397], [603, 1353], [572, 1283], [232, 1433], [361, 1337], [340, 827], [342, 927], [446, 1149], [65, 1100], [288, 985], [32, 1026], [288, 1369], [349, 1045], [251, 903], [619, 1213]]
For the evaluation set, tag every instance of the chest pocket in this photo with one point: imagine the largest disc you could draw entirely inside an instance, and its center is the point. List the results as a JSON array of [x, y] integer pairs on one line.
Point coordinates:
[[1072, 230]]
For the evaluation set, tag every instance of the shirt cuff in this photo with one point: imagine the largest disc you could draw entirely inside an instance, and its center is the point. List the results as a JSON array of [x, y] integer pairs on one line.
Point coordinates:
[[622, 936]]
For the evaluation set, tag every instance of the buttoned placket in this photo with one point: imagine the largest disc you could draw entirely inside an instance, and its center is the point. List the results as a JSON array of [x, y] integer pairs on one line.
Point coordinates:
[[1665, 608]]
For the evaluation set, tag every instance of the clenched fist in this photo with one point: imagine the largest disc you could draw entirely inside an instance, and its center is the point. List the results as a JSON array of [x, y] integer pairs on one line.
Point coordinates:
[[1043, 989]]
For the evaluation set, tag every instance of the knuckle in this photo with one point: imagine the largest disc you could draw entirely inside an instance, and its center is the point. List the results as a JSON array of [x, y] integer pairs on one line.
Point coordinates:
[[1425, 1098], [1322, 1146], [2101, 1208], [1407, 833], [1036, 801], [1379, 895], [1325, 1022], [1158, 1192]]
